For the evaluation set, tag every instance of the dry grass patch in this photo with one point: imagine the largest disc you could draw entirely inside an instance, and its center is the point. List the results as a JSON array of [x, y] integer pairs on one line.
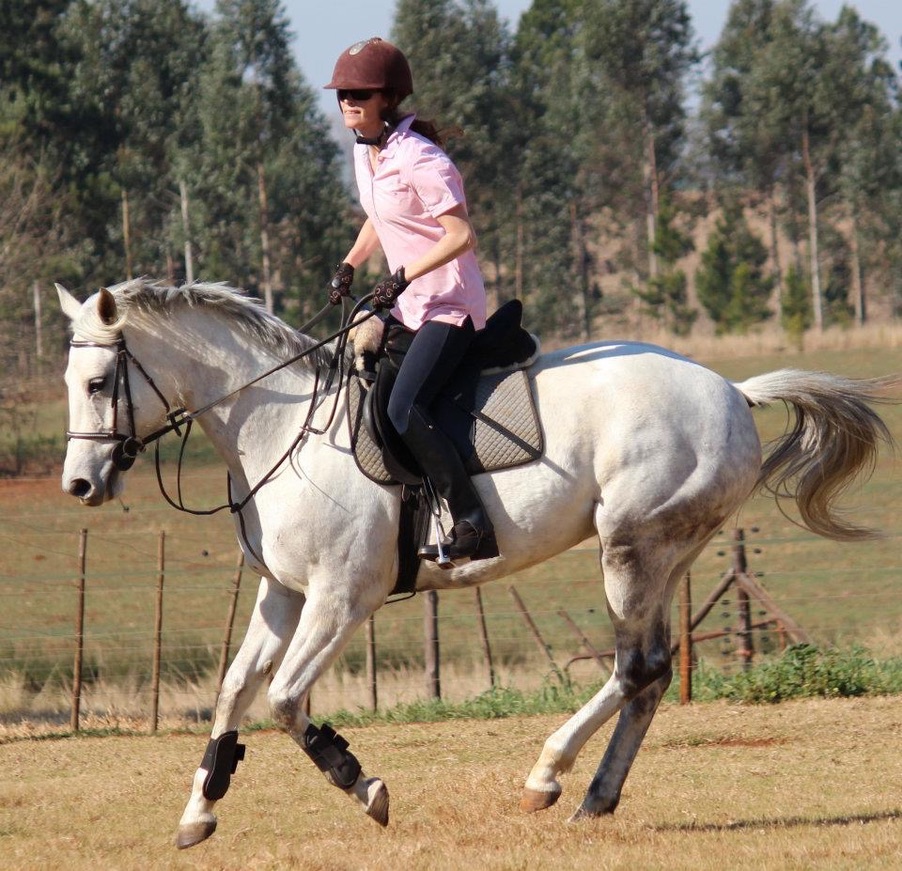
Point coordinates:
[[798, 785]]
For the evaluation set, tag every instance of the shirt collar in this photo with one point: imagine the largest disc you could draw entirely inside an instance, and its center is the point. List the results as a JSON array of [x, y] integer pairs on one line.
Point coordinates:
[[400, 130], [404, 125]]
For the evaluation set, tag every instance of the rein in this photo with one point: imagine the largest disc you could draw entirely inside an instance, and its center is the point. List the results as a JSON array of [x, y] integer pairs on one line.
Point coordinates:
[[129, 444]]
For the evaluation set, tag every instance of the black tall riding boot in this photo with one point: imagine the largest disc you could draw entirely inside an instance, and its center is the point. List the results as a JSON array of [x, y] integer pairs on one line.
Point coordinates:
[[472, 535]]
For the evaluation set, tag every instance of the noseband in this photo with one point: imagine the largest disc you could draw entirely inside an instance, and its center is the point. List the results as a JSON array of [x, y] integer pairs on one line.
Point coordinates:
[[127, 444]]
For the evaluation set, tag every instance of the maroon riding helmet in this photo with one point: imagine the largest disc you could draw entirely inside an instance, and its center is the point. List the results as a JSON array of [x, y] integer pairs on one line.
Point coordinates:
[[373, 64]]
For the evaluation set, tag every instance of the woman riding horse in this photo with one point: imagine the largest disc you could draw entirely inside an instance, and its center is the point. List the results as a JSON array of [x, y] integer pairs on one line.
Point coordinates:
[[416, 210]]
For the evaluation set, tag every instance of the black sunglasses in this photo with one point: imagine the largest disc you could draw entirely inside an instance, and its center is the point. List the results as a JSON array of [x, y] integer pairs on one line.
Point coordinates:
[[359, 95]]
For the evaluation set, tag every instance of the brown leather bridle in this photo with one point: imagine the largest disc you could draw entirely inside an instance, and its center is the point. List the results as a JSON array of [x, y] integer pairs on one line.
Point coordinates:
[[127, 445]]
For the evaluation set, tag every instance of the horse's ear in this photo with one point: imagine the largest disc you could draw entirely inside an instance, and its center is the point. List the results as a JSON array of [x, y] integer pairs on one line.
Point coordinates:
[[69, 304], [106, 306]]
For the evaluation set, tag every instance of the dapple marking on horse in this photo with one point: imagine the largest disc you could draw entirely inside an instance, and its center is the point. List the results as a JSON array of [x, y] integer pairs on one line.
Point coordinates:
[[649, 450]]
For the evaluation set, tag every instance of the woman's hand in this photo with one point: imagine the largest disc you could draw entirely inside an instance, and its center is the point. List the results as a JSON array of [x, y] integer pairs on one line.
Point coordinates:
[[340, 285], [389, 289]]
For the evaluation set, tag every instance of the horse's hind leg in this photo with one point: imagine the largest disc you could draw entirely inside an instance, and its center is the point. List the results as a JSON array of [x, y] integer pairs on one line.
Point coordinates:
[[276, 615], [603, 794], [641, 674], [637, 589]]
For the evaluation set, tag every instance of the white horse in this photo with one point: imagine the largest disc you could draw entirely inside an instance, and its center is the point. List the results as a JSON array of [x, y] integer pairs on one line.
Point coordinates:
[[648, 450]]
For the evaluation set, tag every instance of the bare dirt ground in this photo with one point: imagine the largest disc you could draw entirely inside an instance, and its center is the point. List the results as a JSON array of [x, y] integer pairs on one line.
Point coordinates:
[[801, 785]]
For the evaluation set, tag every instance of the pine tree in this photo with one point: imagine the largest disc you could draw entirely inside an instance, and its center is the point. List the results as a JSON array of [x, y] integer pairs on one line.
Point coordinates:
[[731, 282], [666, 296]]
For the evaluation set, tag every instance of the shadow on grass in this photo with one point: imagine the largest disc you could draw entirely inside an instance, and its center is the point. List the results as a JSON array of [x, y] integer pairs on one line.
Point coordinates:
[[784, 822]]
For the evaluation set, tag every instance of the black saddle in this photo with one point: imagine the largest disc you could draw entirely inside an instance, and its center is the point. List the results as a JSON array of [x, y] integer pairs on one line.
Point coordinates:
[[502, 345]]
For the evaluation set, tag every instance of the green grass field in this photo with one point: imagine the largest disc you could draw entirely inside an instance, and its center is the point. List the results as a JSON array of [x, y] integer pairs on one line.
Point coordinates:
[[839, 593]]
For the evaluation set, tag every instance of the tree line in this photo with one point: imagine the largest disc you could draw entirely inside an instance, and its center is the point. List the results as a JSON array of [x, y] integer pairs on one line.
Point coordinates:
[[142, 137]]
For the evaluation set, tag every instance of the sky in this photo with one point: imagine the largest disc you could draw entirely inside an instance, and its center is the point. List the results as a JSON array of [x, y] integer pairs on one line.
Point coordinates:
[[323, 31]]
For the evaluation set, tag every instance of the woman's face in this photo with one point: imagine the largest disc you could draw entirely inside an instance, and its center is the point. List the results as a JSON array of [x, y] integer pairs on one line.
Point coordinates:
[[362, 111]]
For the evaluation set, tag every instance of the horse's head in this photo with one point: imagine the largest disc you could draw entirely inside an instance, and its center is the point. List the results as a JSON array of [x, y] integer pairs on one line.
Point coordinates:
[[107, 407]]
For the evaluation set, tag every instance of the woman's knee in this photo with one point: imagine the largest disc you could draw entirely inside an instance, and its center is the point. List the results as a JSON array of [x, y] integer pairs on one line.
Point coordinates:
[[399, 408]]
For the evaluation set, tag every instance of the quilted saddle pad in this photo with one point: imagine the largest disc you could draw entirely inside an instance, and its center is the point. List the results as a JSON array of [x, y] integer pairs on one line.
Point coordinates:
[[507, 429]]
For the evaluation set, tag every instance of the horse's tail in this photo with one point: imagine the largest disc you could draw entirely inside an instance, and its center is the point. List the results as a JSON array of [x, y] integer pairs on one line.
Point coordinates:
[[833, 441]]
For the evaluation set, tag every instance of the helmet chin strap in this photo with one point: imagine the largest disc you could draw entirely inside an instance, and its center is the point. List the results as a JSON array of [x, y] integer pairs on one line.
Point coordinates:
[[374, 140]]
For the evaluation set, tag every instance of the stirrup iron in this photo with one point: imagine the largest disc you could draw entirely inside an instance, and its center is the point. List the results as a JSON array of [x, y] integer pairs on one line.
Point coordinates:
[[443, 560]]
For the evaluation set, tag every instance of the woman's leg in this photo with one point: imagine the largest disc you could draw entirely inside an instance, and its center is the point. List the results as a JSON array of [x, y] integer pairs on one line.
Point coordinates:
[[435, 353]]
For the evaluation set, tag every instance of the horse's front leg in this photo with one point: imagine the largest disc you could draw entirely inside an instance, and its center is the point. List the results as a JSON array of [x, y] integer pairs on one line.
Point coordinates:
[[326, 625], [275, 618]]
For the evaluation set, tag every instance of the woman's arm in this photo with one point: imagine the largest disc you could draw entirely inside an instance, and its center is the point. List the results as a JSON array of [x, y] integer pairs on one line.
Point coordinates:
[[365, 245], [459, 237]]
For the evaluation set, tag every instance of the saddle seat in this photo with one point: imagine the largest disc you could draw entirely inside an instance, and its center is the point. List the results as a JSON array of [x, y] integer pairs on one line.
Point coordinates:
[[487, 401]]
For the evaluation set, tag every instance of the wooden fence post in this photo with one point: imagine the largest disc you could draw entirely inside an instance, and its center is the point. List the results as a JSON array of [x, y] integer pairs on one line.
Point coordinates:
[[686, 640], [788, 626], [230, 622], [79, 631], [592, 650], [430, 624], [534, 630], [744, 629], [371, 662], [158, 634], [484, 637]]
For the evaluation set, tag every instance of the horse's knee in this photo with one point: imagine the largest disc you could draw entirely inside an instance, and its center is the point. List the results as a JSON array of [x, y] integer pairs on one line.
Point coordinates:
[[285, 710], [230, 692]]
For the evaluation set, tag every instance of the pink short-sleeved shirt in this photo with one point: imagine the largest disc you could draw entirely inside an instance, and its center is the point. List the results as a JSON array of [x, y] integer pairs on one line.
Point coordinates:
[[413, 184]]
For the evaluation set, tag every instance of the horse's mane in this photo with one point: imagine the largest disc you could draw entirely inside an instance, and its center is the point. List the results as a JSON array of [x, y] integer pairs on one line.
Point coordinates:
[[156, 297]]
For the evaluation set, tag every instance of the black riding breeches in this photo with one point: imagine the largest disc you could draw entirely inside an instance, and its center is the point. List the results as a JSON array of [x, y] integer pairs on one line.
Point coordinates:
[[435, 353], [431, 362]]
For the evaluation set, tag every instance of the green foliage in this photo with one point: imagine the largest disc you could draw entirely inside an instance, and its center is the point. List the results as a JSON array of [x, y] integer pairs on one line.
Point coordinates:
[[130, 128], [805, 671], [731, 281], [135, 111], [665, 296], [795, 309], [552, 698]]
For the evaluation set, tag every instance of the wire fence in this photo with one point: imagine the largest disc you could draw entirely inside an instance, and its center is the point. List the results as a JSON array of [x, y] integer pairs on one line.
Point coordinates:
[[163, 608]]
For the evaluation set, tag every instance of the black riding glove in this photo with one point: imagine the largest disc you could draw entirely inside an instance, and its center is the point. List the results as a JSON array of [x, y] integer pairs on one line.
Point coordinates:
[[389, 289], [340, 285]]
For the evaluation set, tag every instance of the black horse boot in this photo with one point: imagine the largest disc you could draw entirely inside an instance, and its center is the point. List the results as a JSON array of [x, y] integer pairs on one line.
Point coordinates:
[[465, 540], [472, 535]]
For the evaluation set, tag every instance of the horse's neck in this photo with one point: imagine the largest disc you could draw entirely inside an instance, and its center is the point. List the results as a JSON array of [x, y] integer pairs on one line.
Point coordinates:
[[197, 361]]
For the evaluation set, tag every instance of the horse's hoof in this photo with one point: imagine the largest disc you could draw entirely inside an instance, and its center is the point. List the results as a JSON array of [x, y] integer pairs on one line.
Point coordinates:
[[377, 801], [583, 812], [534, 800], [193, 833], [372, 793]]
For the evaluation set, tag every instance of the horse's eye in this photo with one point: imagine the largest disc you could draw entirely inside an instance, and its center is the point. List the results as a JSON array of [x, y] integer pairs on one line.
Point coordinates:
[[95, 385]]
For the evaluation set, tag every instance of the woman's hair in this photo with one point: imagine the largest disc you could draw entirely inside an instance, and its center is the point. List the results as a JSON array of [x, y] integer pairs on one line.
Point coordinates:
[[395, 115]]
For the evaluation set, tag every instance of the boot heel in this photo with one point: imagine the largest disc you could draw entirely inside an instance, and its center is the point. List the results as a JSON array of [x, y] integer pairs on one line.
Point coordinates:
[[487, 549]]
